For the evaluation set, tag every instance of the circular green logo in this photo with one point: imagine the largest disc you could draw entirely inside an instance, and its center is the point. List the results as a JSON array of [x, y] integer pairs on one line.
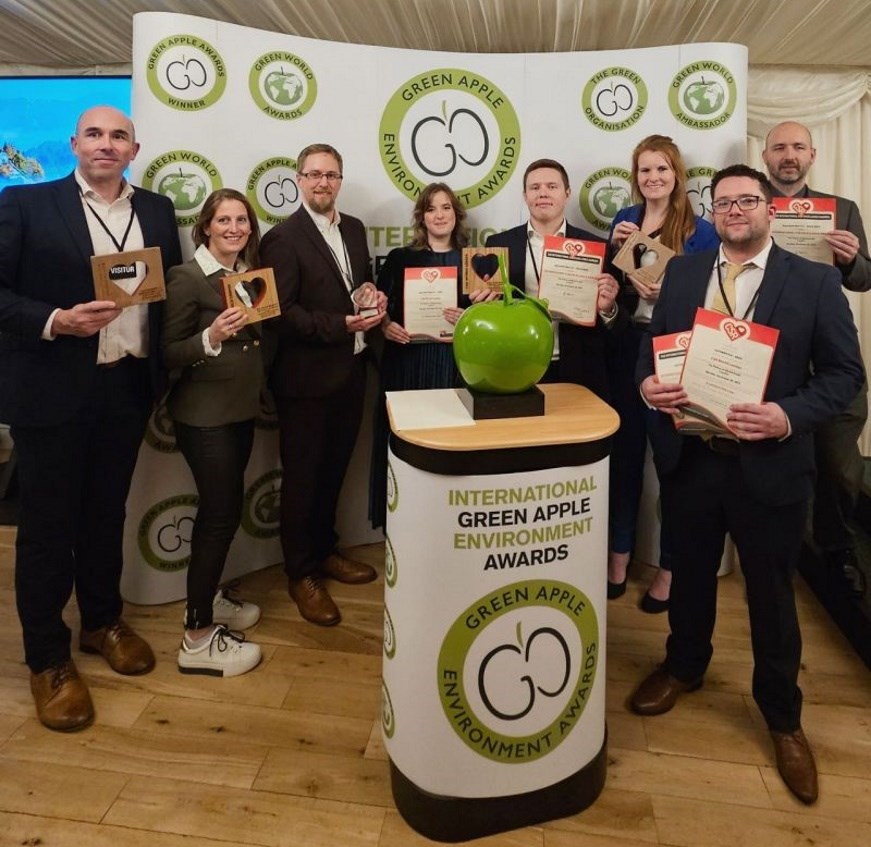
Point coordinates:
[[160, 433], [185, 73], [603, 194], [699, 190], [391, 570], [187, 178], [614, 99], [388, 719], [392, 489], [703, 95], [517, 667], [271, 187], [450, 125], [164, 533], [389, 635], [283, 85], [261, 508]]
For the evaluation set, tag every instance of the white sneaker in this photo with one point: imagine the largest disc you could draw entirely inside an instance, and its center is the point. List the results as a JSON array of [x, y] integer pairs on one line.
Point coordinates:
[[236, 614], [225, 653]]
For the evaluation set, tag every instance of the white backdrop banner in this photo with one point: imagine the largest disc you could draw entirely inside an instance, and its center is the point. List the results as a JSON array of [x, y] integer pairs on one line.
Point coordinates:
[[219, 105]]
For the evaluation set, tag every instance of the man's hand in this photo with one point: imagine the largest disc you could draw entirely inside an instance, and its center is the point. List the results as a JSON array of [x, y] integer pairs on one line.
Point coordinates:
[[663, 396], [844, 244], [84, 319], [608, 288], [359, 323], [755, 421]]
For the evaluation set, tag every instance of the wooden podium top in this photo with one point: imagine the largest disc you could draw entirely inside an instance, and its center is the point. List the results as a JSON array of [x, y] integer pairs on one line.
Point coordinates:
[[573, 414]]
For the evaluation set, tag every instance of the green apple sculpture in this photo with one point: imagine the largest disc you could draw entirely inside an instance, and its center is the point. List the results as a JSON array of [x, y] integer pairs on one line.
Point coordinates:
[[504, 346]]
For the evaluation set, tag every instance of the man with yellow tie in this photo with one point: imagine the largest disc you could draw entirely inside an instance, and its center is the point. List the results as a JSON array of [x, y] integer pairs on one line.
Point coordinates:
[[756, 484]]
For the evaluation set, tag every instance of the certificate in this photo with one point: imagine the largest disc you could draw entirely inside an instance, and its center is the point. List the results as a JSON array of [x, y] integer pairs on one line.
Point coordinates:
[[426, 294], [643, 257], [130, 278], [669, 352], [481, 268], [569, 268], [801, 222], [253, 292], [728, 361]]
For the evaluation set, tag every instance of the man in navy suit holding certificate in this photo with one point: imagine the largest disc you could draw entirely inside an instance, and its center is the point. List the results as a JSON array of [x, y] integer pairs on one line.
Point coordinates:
[[755, 484], [77, 383]]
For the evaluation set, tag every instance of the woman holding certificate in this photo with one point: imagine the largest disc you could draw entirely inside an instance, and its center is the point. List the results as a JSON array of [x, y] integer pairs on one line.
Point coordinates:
[[663, 217], [423, 284], [218, 371]]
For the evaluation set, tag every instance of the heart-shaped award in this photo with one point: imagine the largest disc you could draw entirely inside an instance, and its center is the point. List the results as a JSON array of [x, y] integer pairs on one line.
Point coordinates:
[[365, 298], [251, 291], [128, 277], [485, 265]]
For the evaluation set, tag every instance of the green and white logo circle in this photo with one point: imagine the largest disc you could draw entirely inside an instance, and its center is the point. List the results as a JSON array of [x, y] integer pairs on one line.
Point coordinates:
[[703, 95], [450, 125], [261, 508], [391, 568], [603, 194], [164, 533], [187, 178], [185, 72], [160, 433], [388, 718], [699, 190], [271, 187], [614, 99], [517, 667], [283, 85], [389, 635], [392, 489]]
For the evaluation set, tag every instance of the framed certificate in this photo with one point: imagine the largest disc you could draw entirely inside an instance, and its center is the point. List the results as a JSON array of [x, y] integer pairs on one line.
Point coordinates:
[[481, 268], [728, 361], [669, 352], [253, 292], [801, 222], [130, 278], [643, 257], [569, 268], [427, 292]]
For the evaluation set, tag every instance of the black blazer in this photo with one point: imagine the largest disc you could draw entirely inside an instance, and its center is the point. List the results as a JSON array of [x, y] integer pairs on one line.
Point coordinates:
[[581, 348], [816, 371], [315, 352], [45, 263]]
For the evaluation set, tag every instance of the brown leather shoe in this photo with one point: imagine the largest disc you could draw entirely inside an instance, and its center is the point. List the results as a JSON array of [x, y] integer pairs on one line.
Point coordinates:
[[338, 567], [314, 601], [659, 692], [795, 764], [124, 650], [62, 699]]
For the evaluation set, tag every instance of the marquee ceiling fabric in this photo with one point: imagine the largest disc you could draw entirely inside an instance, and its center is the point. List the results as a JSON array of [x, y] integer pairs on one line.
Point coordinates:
[[94, 36]]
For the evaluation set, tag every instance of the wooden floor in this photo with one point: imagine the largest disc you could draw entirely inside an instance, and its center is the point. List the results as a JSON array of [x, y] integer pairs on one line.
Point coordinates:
[[291, 754]]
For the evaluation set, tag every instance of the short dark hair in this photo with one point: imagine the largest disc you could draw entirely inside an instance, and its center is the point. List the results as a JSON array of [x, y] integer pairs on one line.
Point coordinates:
[[198, 233], [546, 163], [743, 170], [317, 148]]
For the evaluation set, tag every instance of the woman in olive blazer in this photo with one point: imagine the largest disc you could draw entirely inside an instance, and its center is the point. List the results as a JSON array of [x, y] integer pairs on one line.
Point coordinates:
[[215, 357]]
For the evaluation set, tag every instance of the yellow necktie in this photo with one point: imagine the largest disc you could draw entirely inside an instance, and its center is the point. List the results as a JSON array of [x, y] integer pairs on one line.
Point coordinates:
[[733, 269]]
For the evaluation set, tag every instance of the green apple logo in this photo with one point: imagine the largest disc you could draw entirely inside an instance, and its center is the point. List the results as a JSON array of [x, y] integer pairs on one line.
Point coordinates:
[[284, 87], [610, 199], [186, 190], [704, 97]]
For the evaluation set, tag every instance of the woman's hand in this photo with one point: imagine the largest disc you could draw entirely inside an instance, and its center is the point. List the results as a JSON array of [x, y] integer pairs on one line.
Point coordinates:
[[622, 231], [395, 332], [646, 291], [226, 325]]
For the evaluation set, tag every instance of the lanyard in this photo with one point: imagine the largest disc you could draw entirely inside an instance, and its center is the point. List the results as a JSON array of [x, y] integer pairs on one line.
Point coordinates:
[[119, 246], [752, 305], [346, 270]]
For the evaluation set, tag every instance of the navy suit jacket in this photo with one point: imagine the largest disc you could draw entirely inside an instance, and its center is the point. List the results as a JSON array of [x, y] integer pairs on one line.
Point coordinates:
[[315, 350], [45, 263], [581, 348], [816, 371]]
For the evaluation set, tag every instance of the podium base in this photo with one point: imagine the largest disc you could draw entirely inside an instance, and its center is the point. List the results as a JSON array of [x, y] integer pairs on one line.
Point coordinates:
[[454, 819], [483, 406]]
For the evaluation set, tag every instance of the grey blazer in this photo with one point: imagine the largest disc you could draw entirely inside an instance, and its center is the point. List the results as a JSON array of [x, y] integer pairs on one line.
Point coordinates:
[[207, 390]]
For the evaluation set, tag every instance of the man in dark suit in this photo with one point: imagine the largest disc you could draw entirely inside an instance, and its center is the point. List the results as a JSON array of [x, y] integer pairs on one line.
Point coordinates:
[[754, 484], [319, 376], [77, 381], [788, 156], [579, 351]]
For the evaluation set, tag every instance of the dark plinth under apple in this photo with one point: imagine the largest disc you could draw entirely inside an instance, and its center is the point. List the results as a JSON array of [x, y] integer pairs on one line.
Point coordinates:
[[483, 406]]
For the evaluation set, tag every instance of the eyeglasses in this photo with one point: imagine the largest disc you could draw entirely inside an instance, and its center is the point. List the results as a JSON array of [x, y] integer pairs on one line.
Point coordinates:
[[746, 203], [317, 176]]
